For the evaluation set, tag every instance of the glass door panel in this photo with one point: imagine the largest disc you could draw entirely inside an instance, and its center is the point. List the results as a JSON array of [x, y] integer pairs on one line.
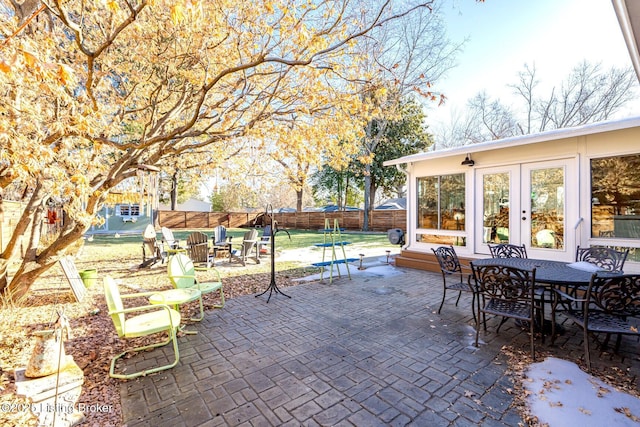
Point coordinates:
[[498, 205], [495, 193], [547, 208]]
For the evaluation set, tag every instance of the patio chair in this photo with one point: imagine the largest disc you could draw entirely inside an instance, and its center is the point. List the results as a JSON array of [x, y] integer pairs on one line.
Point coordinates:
[[199, 251], [507, 250], [173, 244], [264, 244], [606, 258], [507, 292], [249, 243], [452, 276], [611, 305], [594, 258], [182, 274], [151, 249], [221, 242], [155, 319]]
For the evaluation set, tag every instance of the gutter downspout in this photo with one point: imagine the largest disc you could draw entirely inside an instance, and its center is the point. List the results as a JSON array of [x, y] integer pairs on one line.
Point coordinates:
[[408, 215], [624, 20]]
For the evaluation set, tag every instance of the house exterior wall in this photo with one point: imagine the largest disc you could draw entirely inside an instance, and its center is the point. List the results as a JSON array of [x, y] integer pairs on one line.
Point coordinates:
[[576, 151]]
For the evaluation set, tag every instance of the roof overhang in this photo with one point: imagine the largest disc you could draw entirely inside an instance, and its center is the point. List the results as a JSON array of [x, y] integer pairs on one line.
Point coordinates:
[[628, 13], [515, 141]]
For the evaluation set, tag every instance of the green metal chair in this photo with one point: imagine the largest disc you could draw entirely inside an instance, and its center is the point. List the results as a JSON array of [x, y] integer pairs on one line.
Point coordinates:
[[158, 318], [182, 274]]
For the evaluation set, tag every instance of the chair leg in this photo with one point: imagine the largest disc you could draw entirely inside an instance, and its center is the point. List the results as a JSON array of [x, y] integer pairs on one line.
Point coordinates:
[[444, 294], [473, 305], [171, 337], [458, 299], [199, 319], [587, 356], [222, 301]]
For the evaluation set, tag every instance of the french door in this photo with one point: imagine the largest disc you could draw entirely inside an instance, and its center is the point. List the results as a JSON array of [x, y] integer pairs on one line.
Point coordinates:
[[528, 204]]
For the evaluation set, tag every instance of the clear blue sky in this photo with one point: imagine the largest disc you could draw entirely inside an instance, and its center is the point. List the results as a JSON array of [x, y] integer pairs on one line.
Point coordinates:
[[503, 35]]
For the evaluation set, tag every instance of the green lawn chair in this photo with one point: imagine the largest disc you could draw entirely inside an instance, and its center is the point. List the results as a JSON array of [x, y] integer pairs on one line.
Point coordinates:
[[182, 274], [157, 318]]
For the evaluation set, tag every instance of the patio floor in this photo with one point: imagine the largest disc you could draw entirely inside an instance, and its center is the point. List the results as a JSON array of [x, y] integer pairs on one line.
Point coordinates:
[[362, 352]]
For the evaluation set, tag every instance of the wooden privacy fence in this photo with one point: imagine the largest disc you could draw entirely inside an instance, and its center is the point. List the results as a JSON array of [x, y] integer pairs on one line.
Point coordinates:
[[382, 220]]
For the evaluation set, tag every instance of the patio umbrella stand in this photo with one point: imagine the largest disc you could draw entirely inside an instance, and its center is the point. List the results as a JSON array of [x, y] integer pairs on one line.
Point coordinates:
[[273, 287]]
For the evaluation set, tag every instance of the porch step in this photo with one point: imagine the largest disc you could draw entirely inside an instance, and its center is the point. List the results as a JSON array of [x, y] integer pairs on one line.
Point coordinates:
[[424, 261]]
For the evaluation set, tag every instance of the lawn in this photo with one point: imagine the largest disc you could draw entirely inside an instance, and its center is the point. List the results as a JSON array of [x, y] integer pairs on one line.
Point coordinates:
[[94, 340]]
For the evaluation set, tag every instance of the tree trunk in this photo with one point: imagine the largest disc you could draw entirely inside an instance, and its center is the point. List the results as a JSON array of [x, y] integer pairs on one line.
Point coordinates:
[[299, 199], [174, 191], [367, 201]]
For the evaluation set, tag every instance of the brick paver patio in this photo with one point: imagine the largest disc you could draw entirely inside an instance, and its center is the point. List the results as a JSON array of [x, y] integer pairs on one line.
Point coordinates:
[[370, 351]]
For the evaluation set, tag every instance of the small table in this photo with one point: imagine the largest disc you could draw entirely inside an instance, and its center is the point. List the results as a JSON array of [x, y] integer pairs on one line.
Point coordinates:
[[176, 297]]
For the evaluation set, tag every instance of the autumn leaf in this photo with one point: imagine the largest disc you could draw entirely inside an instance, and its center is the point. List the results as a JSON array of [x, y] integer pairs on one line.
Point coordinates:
[[29, 59], [177, 13], [113, 6]]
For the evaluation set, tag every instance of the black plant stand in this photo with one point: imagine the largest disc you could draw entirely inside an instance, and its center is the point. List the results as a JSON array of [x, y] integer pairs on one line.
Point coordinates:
[[273, 287]]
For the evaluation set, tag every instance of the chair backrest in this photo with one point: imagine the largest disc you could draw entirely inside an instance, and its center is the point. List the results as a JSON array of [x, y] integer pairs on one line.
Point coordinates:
[[448, 259], [167, 235], [249, 241], [266, 233], [504, 283], [219, 234], [618, 295], [606, 258], [198, 246], [180, 265], [149, 241], [114, 303], [507, 250]]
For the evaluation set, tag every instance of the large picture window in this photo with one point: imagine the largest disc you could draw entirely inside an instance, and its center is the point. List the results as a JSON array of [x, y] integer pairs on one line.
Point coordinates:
[[615, 197], [441, 204]]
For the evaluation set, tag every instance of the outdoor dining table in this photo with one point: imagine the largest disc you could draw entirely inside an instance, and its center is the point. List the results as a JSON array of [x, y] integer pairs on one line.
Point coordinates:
[[553, 273], [550, 274]]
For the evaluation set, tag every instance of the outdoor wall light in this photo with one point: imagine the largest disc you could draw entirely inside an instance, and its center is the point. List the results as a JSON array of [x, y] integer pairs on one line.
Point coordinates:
[[467, 161]]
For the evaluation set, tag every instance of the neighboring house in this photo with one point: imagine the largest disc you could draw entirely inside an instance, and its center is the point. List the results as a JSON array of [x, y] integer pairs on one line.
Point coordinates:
[[398, 204], [551, 191], [122, 218], [190, 205]]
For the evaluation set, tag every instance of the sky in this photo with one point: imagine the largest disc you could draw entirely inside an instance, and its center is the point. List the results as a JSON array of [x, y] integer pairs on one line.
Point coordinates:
[[503, 35]]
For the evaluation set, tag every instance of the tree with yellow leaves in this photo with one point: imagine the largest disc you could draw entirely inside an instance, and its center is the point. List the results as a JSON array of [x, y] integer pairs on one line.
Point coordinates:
[[94, 90]]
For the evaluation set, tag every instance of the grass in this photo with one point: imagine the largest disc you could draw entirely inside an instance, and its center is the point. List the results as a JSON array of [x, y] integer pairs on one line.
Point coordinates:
[[295, 239]]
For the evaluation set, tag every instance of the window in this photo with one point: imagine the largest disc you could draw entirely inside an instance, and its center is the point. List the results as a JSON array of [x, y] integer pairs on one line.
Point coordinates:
[[128, 210], [615, 199], [441, 206]]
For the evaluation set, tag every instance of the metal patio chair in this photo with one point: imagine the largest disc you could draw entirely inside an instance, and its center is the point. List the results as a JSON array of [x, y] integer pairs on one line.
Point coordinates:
[[182, 274], [611, 305], [507, 292], [154, 319], [452, 276], [608, 259], [507, 250]]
